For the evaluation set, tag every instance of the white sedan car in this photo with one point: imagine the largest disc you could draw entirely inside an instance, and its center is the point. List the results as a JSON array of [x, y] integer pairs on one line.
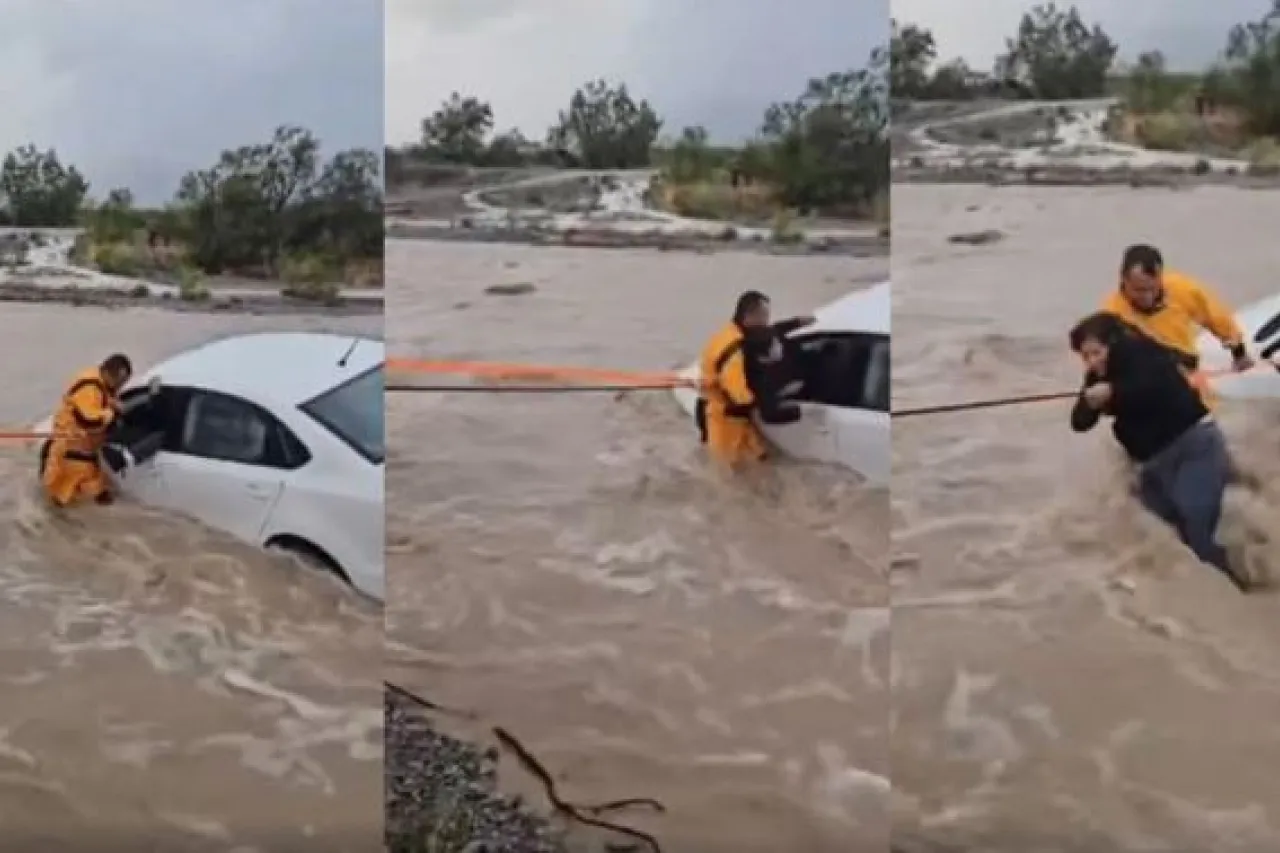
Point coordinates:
[[277, 439], [843, 360], [1261, 324]]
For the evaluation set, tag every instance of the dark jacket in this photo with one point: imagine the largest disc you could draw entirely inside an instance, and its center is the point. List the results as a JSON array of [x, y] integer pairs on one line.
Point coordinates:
[[1152, 402], [768, 375]]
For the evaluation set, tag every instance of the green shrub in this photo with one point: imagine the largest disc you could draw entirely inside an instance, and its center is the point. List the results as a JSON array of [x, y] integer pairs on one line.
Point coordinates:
[[312, 278], [785, 231], [116, 259], [192, 286], [1168, 131]]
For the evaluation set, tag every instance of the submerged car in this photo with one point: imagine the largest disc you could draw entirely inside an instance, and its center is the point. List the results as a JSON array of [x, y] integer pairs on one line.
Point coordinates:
[[1260, 322], [277, 439], [843, 362]]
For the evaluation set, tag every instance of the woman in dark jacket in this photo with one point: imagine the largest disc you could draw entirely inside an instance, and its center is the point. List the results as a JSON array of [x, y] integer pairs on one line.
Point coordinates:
[[1162, 424]]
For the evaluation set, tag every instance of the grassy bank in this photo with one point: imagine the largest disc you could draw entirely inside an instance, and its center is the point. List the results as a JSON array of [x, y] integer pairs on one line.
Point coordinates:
[[754, 205], [312, 277], [1179, 128]]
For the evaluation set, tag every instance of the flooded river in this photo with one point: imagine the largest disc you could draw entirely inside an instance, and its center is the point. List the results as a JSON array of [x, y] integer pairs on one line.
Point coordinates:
[[160, 681], [569, 567], [1066, 677]]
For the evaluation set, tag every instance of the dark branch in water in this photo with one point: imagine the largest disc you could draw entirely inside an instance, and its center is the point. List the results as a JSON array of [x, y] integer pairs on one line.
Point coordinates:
[[584, 814]]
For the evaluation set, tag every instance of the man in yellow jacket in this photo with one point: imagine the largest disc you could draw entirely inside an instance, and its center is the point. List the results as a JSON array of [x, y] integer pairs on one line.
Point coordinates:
[[1172, 307], [70, 464], [727, 400]]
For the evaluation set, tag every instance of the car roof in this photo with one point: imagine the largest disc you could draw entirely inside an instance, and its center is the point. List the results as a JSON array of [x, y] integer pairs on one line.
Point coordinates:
[[866, 310], [283, 368]]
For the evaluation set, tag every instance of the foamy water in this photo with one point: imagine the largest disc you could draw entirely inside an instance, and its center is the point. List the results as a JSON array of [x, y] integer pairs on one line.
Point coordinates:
[[622, 208], [1066, 676], [159, 680], [1079, 139], [570, 567]]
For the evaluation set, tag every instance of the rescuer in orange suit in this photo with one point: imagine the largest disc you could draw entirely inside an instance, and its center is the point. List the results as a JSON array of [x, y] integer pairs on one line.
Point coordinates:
[[727, 399], [71, 468]]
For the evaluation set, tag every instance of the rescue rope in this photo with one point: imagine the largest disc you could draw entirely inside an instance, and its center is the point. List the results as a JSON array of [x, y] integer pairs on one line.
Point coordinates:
[[974, 405], [535, 373], [1203, 376], [30, 436], [523, 389], [584, 814]]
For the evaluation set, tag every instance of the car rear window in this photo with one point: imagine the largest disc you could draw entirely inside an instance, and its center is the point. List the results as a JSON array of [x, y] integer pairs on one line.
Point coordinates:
[[355, 412]]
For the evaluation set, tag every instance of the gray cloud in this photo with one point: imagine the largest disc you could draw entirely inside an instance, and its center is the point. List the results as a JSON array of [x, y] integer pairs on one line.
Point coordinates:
[[719, 63], [1190, 34], [138, 92]]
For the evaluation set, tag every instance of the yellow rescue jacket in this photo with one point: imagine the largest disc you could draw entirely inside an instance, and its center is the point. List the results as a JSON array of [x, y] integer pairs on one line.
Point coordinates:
[[86, 411], [1188, 306], [722, 371]]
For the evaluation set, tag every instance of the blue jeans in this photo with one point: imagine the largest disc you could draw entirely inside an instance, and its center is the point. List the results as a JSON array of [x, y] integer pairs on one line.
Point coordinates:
[[1184, 485]]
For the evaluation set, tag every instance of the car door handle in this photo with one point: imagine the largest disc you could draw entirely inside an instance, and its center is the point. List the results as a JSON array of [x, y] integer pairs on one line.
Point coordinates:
[[258, 490]]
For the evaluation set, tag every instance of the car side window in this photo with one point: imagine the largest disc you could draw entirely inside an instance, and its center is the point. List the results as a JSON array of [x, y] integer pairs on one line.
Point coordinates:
[[846, 370], [228, 429], [876, 389]]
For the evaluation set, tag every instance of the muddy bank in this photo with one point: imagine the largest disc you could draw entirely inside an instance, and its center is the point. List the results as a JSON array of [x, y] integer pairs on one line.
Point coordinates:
[[218, 302], [602, 209], [1034, 143], [37, 265], [918, 171], [868, 245]]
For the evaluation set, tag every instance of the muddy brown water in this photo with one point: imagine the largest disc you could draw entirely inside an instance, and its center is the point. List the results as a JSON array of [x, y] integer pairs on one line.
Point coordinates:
[[1066, 676], [159, 680], [571, 568]]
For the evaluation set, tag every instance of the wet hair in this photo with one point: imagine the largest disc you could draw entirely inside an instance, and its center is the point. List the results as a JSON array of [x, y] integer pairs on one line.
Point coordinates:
[[117, 363], [1144, 257], [748, 302], [1103, 327]]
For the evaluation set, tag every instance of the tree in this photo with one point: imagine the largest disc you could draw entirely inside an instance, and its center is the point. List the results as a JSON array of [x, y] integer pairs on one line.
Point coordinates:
[[952, 81], [691, 159], [830, 146], [605, 128], [1057, 56], [38, 191], [456, 132], [1250, 76], [115, 219], [912, 51], [508, 149], [1149, 88], [262, 202]]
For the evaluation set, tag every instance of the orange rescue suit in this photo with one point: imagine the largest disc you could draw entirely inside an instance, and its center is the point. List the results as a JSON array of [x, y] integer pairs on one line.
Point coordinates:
[[731, 435], [1188, 306], [72, 469]]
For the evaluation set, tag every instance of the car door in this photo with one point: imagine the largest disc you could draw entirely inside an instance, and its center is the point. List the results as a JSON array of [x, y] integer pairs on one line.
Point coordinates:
[[813, 436], [143, 481], [224, 468], [863, 432]]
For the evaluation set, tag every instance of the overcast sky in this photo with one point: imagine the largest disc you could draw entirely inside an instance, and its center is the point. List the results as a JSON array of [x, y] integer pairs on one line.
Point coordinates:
[[718, 63], [1191, 34], [138, 92]]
